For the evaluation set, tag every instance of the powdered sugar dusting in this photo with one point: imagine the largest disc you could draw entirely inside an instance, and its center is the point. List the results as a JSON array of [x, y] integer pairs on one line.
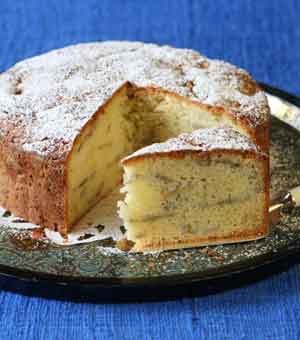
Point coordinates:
[[203, 140], [45, 100]]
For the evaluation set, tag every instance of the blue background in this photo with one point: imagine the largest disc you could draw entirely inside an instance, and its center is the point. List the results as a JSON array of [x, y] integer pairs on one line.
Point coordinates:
[[261, 36]]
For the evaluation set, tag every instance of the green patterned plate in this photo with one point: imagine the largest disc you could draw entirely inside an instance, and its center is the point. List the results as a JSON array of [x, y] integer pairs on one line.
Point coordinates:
[[94, 271]]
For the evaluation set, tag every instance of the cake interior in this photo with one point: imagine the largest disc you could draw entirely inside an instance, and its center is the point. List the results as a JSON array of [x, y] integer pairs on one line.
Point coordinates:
[[133, 118], [179, 199]]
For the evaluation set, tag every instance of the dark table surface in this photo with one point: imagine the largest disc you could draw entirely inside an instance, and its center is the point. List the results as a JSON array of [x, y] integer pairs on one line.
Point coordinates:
[[261, 36]]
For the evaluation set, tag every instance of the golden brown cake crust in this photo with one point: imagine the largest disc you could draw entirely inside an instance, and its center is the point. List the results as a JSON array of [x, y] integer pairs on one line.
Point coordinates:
[[246, 235], [32, 187], [47, 100]]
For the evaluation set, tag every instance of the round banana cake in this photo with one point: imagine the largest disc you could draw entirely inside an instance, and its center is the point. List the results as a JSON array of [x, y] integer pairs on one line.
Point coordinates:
[[69, 116]]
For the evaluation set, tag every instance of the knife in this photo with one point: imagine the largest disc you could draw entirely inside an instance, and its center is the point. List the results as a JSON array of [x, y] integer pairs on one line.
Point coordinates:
[[288, 199]]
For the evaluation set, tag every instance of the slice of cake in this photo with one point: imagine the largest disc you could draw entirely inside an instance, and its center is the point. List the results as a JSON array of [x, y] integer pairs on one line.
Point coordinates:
[[208, 187]]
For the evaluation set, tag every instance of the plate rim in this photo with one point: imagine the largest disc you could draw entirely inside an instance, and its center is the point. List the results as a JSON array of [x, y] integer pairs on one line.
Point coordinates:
[[164, 280]]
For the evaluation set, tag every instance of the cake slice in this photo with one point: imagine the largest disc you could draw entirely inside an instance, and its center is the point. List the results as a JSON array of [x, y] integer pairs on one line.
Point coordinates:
[[207, 187]]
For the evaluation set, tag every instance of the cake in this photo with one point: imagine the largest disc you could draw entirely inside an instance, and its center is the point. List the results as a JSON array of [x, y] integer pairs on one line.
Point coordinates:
[[207, 187], [69, 116]]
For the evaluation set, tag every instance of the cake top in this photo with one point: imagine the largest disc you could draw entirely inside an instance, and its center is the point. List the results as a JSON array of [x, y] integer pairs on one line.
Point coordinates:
[[46, 100], [203, 140]]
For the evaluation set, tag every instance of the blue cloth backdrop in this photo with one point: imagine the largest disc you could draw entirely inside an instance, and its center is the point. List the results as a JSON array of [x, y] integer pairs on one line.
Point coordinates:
[[261, 36]]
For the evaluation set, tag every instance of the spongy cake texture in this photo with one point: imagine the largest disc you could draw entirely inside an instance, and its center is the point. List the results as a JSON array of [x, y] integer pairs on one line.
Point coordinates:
[[208, 187]]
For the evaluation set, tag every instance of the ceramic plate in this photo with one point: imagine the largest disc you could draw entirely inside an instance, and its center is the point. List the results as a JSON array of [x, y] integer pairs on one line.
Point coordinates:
[[95, 271]]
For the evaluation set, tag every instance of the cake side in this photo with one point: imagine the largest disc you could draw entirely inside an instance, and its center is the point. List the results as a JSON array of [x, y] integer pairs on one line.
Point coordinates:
[[92, 166], [32, 187]]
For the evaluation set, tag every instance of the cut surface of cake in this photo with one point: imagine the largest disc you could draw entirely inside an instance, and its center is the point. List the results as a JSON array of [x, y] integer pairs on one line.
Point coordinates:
[[207, 187], [69, 116]]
